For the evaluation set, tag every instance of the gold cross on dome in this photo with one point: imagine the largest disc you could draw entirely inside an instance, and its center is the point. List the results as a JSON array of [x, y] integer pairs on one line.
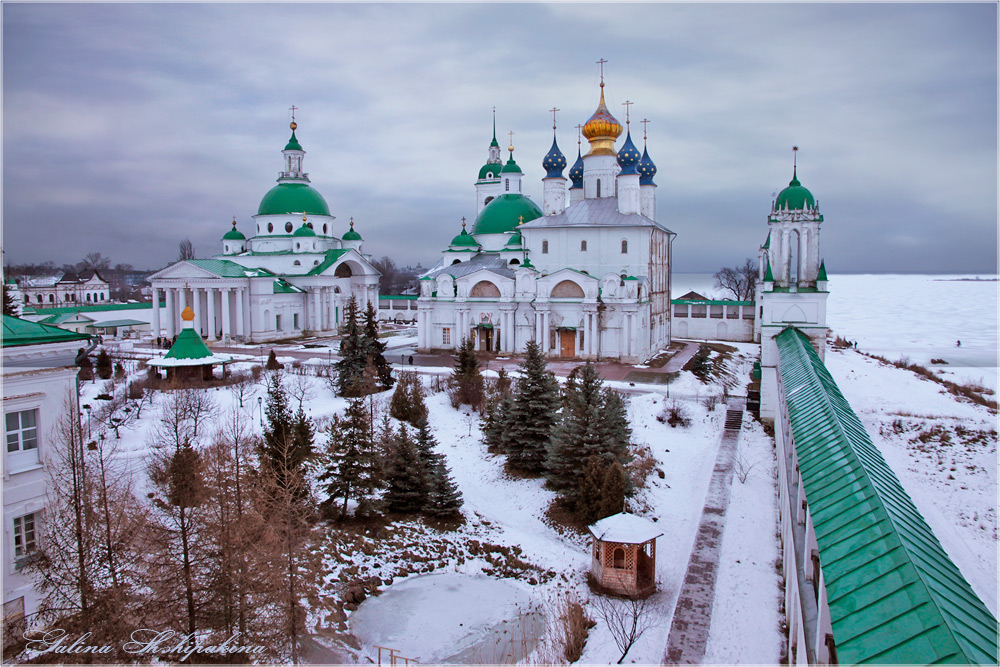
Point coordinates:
[[645, 122], [601, 62], [578, 130], [511, 148], [520, 219], [554, 110], [627, 104], [463, 222], [293, 109]]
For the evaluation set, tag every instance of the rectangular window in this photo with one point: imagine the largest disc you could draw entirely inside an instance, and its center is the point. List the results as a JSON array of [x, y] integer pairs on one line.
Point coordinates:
[[732, 312], [24, 535], [747, 312], [583, 246], [277, 322], [295, 320], [446, 336], [22, 431], [716, 312], [680, 311]]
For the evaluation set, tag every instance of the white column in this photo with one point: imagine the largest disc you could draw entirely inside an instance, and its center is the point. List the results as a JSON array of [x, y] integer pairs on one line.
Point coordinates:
[[196, 304], [156, 312], [546, 319], [317, 314], [239, 311], [786, 256], [802, 271], [227, 330], [171, 318], [210, 297]]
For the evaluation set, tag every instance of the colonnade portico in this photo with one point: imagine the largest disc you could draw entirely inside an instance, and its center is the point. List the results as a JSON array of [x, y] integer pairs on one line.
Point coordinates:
[[210, 320]]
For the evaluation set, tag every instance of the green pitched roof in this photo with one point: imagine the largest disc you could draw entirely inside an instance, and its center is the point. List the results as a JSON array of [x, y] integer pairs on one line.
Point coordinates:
[[822, 271], [17, 332], [93, 308], [768, 276], [283, 287], [894, 594], [331, 258], [227, 269], [292, 197], [767, 242], [189, 345]]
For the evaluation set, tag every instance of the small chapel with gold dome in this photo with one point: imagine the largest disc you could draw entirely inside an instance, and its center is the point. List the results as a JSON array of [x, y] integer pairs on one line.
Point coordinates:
[[586, 274], [292, 277]]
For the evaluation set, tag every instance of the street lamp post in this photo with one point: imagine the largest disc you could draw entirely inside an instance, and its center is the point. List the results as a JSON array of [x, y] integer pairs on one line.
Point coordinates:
[[260, 408], [87, 407]]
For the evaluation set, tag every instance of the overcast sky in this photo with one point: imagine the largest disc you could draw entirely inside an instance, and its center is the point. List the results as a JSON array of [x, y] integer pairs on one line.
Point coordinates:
[[128, 127]]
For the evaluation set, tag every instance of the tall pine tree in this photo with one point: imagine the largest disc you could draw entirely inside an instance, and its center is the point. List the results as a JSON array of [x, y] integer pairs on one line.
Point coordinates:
[[443, 497], [9, 307], [593, 423], [351, 470], [406, 477], [352, 354], [374, 348], [287, 442], [533, 413], [467, 378]]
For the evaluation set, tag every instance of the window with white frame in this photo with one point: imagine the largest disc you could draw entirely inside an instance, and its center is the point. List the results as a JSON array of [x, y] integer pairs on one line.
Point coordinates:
[[22, 431], [24, 535], [446, 336]]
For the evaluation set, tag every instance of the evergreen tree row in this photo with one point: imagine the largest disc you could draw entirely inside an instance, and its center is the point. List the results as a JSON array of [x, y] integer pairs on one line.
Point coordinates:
[[362, 368]]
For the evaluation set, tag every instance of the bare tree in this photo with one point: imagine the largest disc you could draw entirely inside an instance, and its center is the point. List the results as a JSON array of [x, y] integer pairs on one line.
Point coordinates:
[[626, 619], [389, 281], [94, 261], [117, 413], [185, 250], [243, 386], [300, 387], [201, 407], [740, 281]]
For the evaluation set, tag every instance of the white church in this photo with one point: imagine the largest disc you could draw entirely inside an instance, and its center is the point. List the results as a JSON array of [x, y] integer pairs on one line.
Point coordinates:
[[587, 275], [292, 277]]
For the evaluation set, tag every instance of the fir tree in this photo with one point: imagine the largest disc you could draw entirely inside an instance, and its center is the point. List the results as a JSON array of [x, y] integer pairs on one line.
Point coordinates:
[[272, 362], [286, 444], [591, 483], [374, 348], [443, 497], [407, 480], [104, 367], [352, 354], [351, 467], [9, 307], [593, 423], [407, 402], [528, 425], [612, 497], [86, 366], [119, 371], [467, 378]]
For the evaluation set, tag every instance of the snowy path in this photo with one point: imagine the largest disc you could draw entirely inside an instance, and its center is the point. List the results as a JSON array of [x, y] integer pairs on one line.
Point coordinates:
[[693, 614]]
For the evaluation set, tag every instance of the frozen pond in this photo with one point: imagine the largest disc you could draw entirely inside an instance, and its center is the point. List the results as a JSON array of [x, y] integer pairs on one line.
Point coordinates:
[[451, 618]]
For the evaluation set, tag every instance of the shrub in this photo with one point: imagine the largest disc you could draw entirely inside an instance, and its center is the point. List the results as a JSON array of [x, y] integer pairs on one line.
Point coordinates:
[[675, 414], [939, 361], [710, 402], [574, 626], [272, 362]]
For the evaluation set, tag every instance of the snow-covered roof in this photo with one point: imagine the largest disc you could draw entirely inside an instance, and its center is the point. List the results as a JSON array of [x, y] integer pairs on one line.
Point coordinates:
[[166, 362], [483, 261], [626, 528], [593, 213]]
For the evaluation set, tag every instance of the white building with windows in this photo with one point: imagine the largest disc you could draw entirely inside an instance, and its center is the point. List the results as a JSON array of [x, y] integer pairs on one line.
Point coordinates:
[[587, 274], [292, 277], [70, 288], [39, 389]]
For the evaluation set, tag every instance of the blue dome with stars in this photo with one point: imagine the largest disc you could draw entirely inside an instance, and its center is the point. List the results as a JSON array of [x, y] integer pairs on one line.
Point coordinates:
[[628, 156], [576, 171], [646, 169], [554, 161]]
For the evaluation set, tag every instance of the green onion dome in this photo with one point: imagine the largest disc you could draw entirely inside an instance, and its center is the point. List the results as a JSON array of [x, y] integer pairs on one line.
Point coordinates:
[[304, 230], [293, 143], [351, 235], [234, 234], [576, 172], [554, 161], [505, 213], [464, 239], [292, 197], [515, 240], [511, 167], [794, 197], [490, 171], [628, 156], [646, 169]]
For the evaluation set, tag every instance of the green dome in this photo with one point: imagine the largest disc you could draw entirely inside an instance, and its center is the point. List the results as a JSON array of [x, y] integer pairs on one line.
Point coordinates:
[[293, 198], [511, 167], [293, 144], [515, 240], [464, 239], [304, 231], [490, 168], [504, 214], [234, 234], [351, 235], [794, 197]]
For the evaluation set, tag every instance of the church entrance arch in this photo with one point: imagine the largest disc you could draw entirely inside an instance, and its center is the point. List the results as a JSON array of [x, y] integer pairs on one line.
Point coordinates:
[[485, 289], [567, 289], [343, 271]]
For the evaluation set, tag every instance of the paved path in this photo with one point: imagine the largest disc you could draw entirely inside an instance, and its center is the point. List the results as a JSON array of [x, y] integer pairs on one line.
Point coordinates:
[[676, 362], [693, 613]]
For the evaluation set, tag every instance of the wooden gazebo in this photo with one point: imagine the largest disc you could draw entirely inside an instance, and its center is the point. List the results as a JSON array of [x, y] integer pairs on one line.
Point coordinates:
[[189, 359], [624, 555]]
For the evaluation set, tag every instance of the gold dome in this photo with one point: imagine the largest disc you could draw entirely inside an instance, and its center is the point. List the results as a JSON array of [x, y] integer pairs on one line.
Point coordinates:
[[187, 314], [602, 129]]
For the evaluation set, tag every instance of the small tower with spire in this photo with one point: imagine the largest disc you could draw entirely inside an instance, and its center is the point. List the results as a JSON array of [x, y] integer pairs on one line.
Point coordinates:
[[554, 183], [351, 239], [293, 156], [647, 188], [510, 175], [600, 166], [488, 184], [628, 177]]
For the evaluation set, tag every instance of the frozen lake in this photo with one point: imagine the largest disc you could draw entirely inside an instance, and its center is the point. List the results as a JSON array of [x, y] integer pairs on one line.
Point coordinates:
[[917, 316]]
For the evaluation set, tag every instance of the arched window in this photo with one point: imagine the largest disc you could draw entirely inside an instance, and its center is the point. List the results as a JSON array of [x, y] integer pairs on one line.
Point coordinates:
[[270, 227], [324, 229], [506, 184], [514, 262], [619, 557], [457, 261], [598, 188], [545, 247], [309, 225], [624, 247], [583, 246], [296, 263], [88, 297], [39, 298], [488, 200], [298, 245], [343, 271], [52, 298], [288, 227]]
